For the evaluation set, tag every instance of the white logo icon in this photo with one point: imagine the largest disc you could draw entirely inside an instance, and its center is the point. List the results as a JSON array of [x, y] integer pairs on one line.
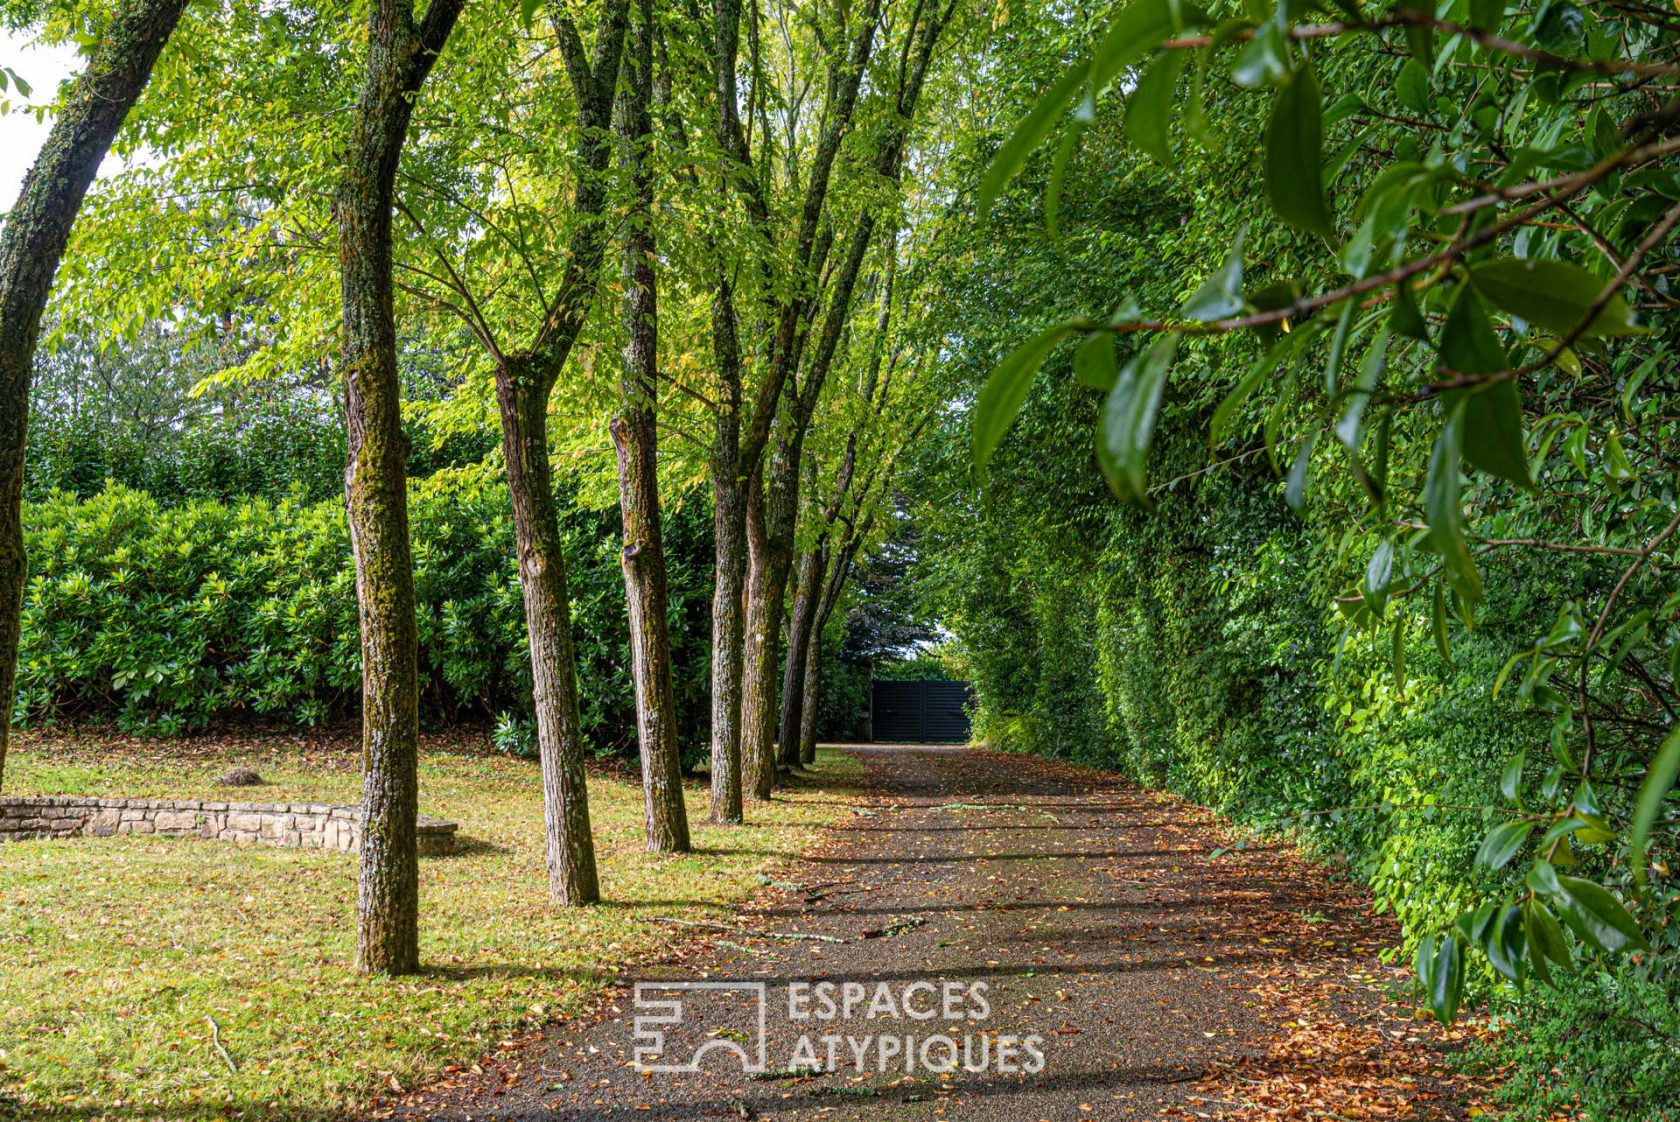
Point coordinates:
[[670, 1010]]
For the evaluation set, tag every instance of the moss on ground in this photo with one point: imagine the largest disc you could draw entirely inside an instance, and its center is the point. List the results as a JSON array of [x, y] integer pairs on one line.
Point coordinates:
[[116, 954]]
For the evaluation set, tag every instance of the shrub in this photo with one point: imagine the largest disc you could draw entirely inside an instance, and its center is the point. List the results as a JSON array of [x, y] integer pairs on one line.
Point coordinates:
[[166, 618]]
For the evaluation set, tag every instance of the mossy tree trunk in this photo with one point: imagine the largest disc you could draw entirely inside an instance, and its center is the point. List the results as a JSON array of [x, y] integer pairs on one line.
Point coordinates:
[[801, 622], [769, 557], [729, 461], [771, 540], [772, 521], [636, 438], [729, 528], [400, 55], [33, 241], [812, 699], [835, 566], [522, 399], [525, 381], [742, 737]]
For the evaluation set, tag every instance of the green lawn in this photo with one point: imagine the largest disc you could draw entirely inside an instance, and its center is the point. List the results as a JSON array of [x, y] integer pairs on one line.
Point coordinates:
[[115, 953]]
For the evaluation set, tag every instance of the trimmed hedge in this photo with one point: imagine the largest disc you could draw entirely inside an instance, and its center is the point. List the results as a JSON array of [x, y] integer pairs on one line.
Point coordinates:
[[165, 618]]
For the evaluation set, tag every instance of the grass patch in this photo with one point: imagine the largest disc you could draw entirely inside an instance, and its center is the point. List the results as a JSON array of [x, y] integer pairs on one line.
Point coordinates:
[[115, 951]]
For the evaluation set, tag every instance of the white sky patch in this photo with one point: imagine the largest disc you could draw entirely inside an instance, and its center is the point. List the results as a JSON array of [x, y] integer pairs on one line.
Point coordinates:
[[21, 136]]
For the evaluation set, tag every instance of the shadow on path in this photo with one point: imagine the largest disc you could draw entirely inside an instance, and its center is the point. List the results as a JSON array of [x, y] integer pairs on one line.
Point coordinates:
[[1130, 956]]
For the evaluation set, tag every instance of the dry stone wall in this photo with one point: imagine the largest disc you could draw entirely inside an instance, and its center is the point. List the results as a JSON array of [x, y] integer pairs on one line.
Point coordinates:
[[299, 825]]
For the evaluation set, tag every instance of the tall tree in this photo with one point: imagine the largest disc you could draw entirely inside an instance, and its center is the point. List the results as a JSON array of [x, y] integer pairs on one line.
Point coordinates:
[[806, 620], [766, 576], [742, 434], [525, 381], [771, 534], [478, 273], [400, 55], [808, 582], [36, 233], [636, 438], [835, 563]]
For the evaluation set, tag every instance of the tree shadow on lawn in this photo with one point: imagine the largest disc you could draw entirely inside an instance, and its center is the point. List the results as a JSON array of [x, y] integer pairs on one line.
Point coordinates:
[[469, 847], [463, 972]]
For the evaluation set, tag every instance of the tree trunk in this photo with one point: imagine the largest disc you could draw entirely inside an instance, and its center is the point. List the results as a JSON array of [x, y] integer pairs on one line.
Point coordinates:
[[522, 396], [729, 529], [31, 244], [808, 710], [524, 382], [806, 597], [636, 438], [769, 558], [375, 485]]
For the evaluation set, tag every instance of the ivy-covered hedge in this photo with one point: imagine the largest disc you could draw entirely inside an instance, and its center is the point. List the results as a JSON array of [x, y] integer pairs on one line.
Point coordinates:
[[1191, 648], [164, 618]]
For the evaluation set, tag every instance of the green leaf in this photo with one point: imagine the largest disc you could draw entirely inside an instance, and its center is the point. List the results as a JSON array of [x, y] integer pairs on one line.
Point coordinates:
[[1510, 780], [1503, 843], [1412, 87], [1265, 61], [1405, 318], [1468, 342], [1420, 38], [1066, 148], [1220, 296], [1006, 389], [1338, 343], [1558, 26], [1274, 297], [1244, 389], [1397, 652], [1445, 515], [1093, 362], [1554, 295], [1438, 624], [1195, 110], [1659, 778], [1616, 464], [1446, 979], [1358, 396], [1149, 109], [1545, 940], [1137, 29], [1598, 917], [1344, 107], [1295, 491], [1294, 155], [1423, 961], [1379, 573], [1487, 15], [1028, 135], [527, 12], [1493, 433], [1504, 942], [1128, 421], [1542, 878]]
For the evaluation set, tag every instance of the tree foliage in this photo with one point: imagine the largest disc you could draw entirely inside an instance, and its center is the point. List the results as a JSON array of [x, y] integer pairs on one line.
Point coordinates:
[[1448, 334]]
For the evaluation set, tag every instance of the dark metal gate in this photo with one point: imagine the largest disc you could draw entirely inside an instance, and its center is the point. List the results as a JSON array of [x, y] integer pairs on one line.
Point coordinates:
[[920, 712]]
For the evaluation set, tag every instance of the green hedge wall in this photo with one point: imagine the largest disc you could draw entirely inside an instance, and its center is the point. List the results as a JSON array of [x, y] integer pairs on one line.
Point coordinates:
[[163, 618]]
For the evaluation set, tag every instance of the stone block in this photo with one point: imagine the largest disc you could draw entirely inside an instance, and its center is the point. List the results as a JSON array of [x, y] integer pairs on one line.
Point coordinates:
[[103, 823]]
